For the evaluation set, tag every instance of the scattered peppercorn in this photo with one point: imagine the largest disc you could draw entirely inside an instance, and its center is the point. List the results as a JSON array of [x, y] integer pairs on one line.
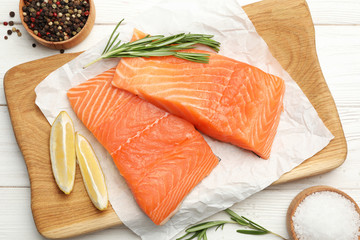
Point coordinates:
[[56, 20], [12, 14], [5, 23], [9, 32], [33, 45], [62, 51], [5, 37], [11, 23], [19, 34], [13, 29]]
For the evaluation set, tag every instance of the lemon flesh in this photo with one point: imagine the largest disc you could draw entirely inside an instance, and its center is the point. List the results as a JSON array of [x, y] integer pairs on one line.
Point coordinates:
[[91, 172], [62, 152]]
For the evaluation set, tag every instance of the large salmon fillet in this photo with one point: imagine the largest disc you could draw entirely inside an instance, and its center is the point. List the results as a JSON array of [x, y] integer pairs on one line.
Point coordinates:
[[161, 156], [226, 99]]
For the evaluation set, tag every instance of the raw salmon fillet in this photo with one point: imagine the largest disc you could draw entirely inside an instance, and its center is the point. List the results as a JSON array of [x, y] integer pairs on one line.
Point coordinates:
[[226, 99], [162, 157]]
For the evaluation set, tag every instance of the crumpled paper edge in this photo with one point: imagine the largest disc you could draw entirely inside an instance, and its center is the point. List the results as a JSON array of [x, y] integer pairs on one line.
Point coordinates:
[[200, 196]]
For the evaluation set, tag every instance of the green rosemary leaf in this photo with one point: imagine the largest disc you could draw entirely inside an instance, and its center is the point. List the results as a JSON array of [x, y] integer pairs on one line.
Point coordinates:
[[150, 54], [117, 26], [158, 45], [182, 46], [202, 235], [255, 224], [200, 229], [189, 54], [239, 221], [148, 39], [112, 43], [200, 57], [252, 232], [220, 226], [117, 44], [233, 214], [205, 225], [185, 235], [196, 234], [168, 40]]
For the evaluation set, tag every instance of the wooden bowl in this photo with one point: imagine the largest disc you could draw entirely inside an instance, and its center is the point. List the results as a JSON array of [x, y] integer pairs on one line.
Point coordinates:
[[71, 42], [301, 196]]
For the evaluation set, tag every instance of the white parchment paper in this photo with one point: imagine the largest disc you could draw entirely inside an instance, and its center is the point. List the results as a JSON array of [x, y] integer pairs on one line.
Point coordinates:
[[300, 135]]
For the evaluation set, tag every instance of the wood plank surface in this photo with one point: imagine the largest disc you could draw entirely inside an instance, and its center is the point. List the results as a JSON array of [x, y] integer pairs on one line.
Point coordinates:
[[337, 12], [273, 20], [292, 43], [56, 215]]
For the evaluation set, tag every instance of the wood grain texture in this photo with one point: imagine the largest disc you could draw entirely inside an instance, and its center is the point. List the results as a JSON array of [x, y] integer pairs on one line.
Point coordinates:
[[285, 26], [78, 38], [344, 12], [291, 39], [335, 12], [56, 215], [12, 168]]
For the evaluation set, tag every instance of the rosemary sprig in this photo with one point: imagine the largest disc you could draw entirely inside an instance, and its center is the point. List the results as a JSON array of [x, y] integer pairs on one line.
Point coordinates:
[[159, 45], [199, 231]]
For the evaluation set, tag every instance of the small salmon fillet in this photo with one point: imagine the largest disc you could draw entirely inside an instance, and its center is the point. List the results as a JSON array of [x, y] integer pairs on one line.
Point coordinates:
[[162, 157], [226, 99]]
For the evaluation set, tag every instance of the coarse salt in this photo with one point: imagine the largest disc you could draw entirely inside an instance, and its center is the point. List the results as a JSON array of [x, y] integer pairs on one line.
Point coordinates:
[[326, 215]]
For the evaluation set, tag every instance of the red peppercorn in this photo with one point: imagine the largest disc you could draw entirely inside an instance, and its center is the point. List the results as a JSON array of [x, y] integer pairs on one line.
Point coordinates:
[[32, 19], [47, 33], [39, 34], [86, 13], [41, 10], [5, 23], [32, 25], [55, 14], [57, 3], [37, 13]]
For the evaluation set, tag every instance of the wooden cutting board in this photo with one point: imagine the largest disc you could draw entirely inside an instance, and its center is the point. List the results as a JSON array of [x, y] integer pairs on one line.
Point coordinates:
[[287, 28]]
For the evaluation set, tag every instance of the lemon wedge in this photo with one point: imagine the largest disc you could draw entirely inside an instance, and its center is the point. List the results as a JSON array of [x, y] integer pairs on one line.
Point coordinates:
[[62, 152], [91, 172]]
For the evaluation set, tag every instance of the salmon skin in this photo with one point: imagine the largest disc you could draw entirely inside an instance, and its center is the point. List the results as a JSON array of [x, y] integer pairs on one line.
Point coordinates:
[[226, 99], [161, 156]]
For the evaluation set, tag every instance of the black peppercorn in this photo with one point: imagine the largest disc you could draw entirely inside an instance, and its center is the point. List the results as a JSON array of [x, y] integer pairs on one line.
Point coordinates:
[[9, 32], [49, 19], [33, 45], [62, 51], [12, 14], [11, 23]]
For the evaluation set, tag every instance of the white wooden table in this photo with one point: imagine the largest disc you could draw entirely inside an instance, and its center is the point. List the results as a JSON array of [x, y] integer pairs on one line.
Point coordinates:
[[337, 26]]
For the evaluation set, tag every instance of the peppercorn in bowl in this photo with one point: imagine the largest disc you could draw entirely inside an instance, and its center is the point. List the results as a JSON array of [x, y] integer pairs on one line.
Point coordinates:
[[58, 24]]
